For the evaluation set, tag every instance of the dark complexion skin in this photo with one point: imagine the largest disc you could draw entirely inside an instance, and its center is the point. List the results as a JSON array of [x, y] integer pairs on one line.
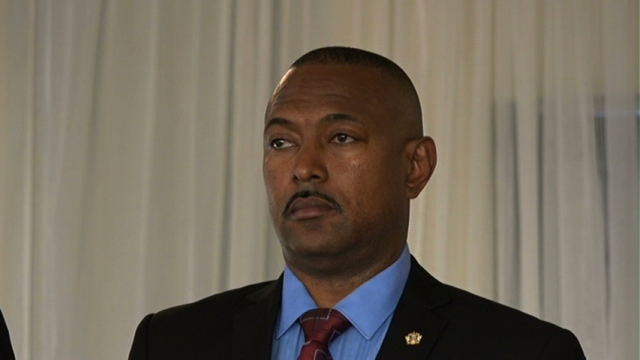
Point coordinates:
[[343, 155]]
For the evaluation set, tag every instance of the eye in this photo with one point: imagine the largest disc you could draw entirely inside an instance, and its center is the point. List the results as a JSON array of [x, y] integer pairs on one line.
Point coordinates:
[[342, 139], [280, 144]]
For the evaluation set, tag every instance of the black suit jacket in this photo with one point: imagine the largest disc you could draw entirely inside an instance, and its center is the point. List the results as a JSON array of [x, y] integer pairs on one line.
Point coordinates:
[[454, 324], [6, 351]]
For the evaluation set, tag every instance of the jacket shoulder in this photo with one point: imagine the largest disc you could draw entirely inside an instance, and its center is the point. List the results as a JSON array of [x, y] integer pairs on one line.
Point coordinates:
[[194, 329], [500, 330], [219, 305], [476, 327]]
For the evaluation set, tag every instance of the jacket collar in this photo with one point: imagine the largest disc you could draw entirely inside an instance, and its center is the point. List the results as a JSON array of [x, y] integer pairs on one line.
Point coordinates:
[[253, 326], [414, 315]]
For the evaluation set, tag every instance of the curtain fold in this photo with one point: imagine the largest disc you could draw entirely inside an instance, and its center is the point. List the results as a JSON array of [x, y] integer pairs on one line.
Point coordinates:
[[131, 145], [620, 124]]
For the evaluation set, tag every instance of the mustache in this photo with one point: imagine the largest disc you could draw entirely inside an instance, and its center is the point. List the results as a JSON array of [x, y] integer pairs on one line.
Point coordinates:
[[309, 193]]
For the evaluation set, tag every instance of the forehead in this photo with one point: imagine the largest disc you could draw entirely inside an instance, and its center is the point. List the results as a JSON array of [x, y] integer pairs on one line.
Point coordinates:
[[323, 87]]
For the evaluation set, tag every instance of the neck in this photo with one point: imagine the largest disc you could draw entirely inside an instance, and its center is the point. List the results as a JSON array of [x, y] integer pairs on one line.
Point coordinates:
[[328, 288]]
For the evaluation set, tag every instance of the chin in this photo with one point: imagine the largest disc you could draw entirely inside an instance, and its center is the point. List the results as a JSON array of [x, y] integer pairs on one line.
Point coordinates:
[[310, 247], [313, 245]]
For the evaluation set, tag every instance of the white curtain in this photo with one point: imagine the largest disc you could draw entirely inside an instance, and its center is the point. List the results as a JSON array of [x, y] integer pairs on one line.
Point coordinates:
[[566, 147], [131, 139]]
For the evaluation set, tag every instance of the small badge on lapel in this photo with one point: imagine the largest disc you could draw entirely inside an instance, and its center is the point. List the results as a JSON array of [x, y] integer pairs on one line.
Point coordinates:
[[413, 338]]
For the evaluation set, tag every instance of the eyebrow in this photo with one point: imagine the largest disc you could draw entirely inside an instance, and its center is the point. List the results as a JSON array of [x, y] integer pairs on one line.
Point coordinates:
[[278, 121], [330, 118], [340, 117]]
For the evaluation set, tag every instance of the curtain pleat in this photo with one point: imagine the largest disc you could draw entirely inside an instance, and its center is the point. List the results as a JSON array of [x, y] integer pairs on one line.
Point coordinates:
[[619, 31]]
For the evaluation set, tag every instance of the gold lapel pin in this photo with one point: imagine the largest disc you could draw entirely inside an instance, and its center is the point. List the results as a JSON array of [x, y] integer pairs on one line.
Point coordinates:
[[413, 338]]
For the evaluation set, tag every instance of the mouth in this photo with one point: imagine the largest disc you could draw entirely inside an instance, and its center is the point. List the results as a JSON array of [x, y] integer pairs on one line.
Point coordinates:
[[310, 205]]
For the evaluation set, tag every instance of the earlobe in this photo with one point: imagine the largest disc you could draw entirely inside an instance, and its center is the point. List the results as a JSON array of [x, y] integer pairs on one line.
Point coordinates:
[[423, 160]]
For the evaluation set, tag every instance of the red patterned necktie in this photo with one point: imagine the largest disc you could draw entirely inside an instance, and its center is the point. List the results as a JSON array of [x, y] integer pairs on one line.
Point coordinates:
[[320, 327]]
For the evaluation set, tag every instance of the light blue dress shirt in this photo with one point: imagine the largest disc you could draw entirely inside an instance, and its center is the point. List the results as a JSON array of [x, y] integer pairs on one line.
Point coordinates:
[[369, 308]]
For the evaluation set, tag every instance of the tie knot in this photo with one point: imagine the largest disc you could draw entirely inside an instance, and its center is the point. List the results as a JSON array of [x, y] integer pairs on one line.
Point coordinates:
[[323, 325]]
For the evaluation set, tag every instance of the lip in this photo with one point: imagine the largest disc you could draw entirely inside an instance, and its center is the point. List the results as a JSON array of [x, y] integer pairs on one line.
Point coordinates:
[[309, 208]]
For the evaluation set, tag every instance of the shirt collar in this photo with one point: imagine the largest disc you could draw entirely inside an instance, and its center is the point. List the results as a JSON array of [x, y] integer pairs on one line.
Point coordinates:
[[381, 294]]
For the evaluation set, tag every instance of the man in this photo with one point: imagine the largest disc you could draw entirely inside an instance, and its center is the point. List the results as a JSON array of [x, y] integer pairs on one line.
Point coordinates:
[[6, 351], [344, 154]]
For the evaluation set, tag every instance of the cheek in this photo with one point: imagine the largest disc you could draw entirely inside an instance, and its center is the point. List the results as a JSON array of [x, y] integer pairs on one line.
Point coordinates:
[[273, 181], [270, 177], [272, 171], [358, 180], [373, 181]]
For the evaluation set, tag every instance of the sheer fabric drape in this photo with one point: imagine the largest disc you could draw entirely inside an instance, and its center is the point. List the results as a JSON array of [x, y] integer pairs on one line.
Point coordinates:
[[131, 140], [567, 167]]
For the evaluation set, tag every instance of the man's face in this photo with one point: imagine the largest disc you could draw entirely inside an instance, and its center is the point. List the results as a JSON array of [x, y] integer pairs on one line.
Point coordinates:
[[335, 166]]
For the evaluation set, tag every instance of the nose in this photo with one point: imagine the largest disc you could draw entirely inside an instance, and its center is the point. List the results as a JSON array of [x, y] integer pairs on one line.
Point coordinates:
[[310, 164]]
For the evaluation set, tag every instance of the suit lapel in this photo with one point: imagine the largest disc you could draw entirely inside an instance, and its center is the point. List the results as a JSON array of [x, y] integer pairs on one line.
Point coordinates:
[[414, 314], [253, 326]]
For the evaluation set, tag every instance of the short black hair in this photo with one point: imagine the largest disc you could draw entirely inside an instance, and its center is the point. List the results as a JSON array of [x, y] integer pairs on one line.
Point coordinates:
[[352, 56], [342, 55]]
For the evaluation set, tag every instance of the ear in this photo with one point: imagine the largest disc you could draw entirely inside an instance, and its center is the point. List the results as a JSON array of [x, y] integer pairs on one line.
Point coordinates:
[[422, 161]]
